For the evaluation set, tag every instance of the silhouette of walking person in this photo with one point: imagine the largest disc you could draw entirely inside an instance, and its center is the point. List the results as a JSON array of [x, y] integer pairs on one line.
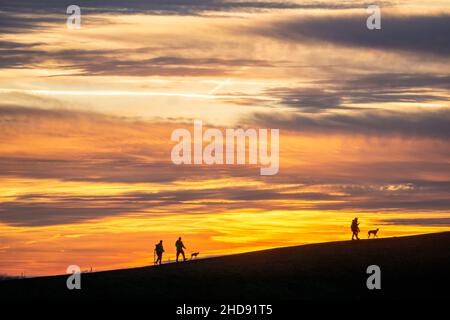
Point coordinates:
[[180, 246], [355, 229], [159, 252]]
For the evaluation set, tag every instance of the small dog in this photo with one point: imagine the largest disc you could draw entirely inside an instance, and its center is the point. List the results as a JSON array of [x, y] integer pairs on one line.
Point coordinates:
[[194, 255], [373, 232]]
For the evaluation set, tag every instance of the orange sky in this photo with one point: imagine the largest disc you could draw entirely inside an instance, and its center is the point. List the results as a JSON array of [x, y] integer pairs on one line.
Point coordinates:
[[86, 118]]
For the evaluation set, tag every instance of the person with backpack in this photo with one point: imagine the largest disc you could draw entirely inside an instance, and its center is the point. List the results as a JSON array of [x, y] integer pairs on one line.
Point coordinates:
[[159, 252], [180, 246], [355, 229]]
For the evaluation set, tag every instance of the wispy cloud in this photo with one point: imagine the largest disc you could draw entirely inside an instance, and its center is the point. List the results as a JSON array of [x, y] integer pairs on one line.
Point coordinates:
[[178, 7]]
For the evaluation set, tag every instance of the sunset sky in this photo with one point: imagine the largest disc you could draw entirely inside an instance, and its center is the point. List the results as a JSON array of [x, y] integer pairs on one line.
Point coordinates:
[[86, 117]]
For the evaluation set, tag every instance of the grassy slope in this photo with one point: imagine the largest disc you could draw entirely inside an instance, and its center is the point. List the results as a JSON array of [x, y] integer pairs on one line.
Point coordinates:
[[412, 267]]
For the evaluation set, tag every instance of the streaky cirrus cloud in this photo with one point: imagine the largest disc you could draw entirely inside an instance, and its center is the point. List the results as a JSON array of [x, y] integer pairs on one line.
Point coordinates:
[[178, 7]]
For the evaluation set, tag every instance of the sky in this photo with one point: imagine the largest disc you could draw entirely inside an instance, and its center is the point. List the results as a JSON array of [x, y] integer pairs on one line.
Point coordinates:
[[86, 117]]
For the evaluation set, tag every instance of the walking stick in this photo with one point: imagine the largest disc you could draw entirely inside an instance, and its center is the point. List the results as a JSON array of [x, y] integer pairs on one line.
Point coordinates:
[[154, 257]]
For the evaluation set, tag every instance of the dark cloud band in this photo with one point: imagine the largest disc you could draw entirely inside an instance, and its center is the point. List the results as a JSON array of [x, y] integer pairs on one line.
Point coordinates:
[[418, 34], [431, 124]]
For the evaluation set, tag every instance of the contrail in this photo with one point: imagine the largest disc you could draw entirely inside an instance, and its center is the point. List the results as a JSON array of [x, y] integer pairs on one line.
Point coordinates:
[[220, 85]]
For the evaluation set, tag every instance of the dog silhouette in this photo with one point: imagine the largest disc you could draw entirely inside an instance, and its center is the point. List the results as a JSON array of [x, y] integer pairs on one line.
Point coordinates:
[[194, 255], [373, 232]]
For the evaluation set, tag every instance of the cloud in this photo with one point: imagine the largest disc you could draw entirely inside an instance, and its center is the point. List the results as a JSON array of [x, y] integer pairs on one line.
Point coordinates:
[[44, 214], [428, 124], [12, 22], [117, 62], [427, 34], [88, 166], [74, 145], [161, 66], [40, 209], [374, 88], [419, 221], [29, 15], [16, 45], [398, 81], [178, 7], [18, 55], [307, 99]]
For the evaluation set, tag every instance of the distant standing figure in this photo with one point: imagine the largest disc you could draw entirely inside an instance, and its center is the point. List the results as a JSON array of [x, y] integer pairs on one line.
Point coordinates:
[[355, 229], [159, 252], [180, 246]]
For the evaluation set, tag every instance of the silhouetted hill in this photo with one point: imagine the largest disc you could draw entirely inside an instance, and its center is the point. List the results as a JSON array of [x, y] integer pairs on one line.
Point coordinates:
[[411, 267]]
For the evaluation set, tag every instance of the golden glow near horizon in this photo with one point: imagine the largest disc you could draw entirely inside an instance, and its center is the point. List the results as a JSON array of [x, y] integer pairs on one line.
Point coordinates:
[[86, 118], [113, 243]]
